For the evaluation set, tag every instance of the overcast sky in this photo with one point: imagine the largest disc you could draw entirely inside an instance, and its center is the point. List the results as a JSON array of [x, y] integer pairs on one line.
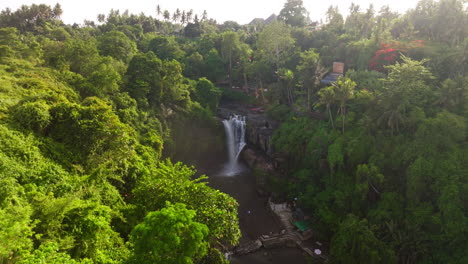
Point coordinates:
[[241, 11]]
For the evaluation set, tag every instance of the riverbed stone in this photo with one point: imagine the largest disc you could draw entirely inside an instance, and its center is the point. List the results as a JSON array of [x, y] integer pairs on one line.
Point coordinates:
[[248, 247]]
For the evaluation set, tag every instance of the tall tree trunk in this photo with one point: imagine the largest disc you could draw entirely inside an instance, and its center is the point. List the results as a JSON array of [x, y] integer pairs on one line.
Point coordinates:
[[261, 89], [230, 69], [343, 112], [245, 81], [330, 114]]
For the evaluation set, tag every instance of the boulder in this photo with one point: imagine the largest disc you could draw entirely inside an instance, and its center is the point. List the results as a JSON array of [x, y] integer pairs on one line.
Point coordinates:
[[248, 247]]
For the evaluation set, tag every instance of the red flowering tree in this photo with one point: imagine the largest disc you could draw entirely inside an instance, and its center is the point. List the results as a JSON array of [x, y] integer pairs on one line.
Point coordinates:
[[390, 52]]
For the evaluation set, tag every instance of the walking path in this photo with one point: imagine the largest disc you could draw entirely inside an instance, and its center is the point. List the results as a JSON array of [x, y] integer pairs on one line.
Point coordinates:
[[288, 237]]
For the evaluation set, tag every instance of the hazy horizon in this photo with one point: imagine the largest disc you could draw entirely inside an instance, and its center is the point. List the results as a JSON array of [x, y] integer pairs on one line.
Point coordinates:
[[241, 11]]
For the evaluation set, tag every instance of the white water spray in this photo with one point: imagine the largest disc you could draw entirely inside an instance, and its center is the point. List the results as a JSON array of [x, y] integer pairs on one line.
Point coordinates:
[[235, 140]]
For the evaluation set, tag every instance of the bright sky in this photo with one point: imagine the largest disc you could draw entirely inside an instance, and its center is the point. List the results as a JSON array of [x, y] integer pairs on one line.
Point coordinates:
[[241, 11]]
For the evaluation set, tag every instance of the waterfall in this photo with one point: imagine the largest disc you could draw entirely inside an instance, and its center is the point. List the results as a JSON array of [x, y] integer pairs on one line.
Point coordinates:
[[235, 141]]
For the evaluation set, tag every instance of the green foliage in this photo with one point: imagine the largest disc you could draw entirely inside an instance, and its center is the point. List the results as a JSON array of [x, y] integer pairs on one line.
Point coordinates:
[[34, 116], [143, 77], [409, 206], [214, 66], [368, 80], [279, 112], [166, 48], [34, 18], [81, 227], [90, 130], [49, 253], [294, 13], [407, 86], [194, 65], [335, 153], [10, 43], [171, 182], [170, 235], [230, 46], [274, 43], [207, 94], [15, 224], [117, 45], [85, 120], [152, 81], [354, 242], [214, 256], [231, 95], [80, 54]]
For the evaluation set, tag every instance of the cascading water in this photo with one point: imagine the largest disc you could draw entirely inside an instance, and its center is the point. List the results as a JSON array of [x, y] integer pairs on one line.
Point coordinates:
[[235, 140]]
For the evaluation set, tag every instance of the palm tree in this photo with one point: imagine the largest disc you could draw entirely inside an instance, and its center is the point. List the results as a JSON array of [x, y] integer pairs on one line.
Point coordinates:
[[328, 97], [344, 90], [229, 46], [183, 18], [158, 10], [393, 118], [101, 18], [287, 77], [177, 14], [189, 15], [166, 15]]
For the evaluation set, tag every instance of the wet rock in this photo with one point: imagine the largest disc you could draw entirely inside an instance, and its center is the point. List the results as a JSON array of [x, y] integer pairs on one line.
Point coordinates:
[[248, 247], [261, 167], [259, 129], [255, 159], [280, 241]]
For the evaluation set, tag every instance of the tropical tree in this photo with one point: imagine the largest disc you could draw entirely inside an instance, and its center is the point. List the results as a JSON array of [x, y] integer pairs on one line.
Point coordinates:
[[207, 94], [344, 90], [166, 15], [177, 15], [274, 42], [327, 97], [230, 45], [294, 13], [334, 19], [166, 48], [286, 77], [158, 10], [188, 16], [117, 45], [354, 242], [307, 69], [169, 235], [245, 53], [406, 87]]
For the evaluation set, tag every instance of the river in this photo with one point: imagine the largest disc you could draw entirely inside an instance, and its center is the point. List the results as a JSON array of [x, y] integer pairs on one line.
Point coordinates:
[[254, 217], [254, 220]]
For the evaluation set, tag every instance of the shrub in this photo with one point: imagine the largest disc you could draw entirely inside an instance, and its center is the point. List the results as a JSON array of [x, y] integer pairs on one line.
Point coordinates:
[[32, 115]]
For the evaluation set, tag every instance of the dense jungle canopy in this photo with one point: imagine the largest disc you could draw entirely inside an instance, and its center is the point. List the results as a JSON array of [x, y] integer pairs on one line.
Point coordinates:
[[101, 125]]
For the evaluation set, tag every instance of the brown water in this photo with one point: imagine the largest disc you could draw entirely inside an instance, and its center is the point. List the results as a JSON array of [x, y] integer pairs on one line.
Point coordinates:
[[254, 219]]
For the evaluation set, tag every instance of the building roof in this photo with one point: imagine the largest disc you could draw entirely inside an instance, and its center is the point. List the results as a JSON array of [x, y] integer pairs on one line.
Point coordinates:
[[331, 78], [257, 21], [302, 225]]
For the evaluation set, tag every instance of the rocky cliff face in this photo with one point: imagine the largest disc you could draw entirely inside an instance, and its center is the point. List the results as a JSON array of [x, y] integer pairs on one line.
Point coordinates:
[[260, 128], [258, 154]]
